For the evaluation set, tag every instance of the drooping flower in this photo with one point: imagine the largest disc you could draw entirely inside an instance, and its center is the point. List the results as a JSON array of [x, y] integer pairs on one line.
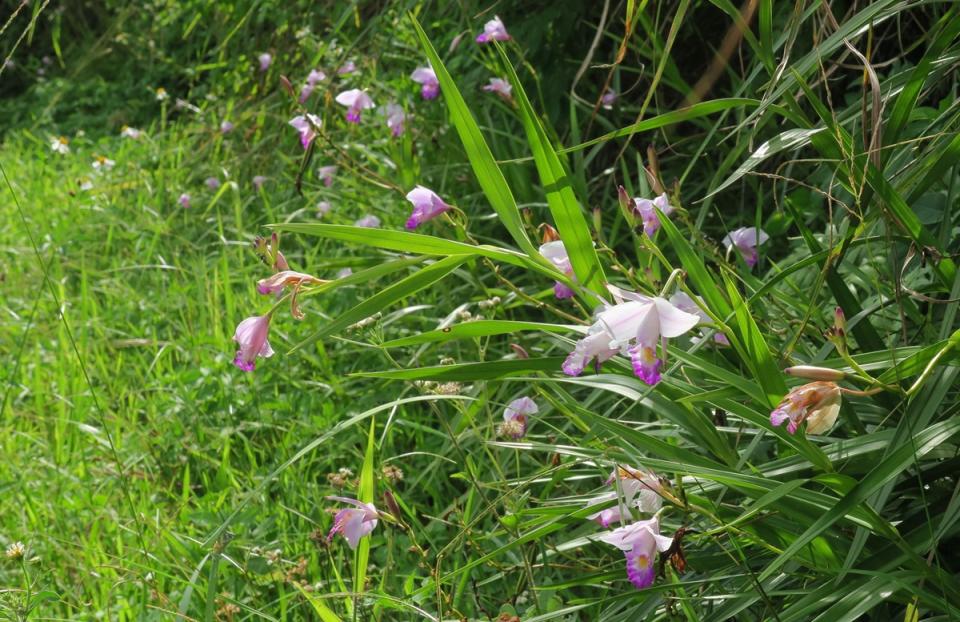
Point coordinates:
[[639, 488], [817, 403], [644, 208], [427, 79], [494, 30], [102, 163], [60, 145], [347, 67], [369, 221], [130, 132], [184, 200], [746, 240], [396, 118], [355, 522], [307, 125], [640, 542], [685, 303], [161, 94], [265, 59], [313, 78], [251, 335], [356, 102], [500, 87], [633, 326], [258, 181], [212, 182], [556, 253], [515, 417], [287, 278], [226, 127], [427, 205], [609, 98], [326, 173], [323, 208]]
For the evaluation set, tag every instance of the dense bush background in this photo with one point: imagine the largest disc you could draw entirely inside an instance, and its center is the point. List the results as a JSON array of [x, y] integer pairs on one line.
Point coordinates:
[[149, 478]]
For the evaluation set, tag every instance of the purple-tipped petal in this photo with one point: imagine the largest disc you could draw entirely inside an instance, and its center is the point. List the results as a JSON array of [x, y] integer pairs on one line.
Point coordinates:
[[561, 291], [646, 365], [640, 567]]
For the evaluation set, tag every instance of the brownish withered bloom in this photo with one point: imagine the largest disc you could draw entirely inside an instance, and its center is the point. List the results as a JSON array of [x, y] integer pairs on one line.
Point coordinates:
[[817, 403]]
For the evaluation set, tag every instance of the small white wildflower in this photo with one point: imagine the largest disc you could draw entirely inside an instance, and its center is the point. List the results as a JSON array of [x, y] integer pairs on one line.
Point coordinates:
[[16, 550]]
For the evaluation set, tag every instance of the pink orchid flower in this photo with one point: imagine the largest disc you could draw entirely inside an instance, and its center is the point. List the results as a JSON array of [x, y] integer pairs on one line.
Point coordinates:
[[500, 87], [427, 205], [184, 200], [212, 182], [396, 118], [226, 127], [515, 417], [288, 278], [817, 403], [347, 67], [685, 303], [258, 181], [644, 208], [746, 240], [639, 489], [427, 78], [356, 102], [370, 221], [265, 60], [494, 30], [556, 253], [251, 334], [355, 522], [326, 173], [608, 99], [640, 542], [633, 326], [323, 208], [307, 126], [313, 78]]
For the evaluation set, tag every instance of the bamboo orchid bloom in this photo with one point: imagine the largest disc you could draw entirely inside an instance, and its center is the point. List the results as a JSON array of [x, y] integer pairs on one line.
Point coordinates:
[[356, 102], [370, 221], [396, 117], [817, 403], [226, 127], [633, 326], [307, 125], [639, 488], [427, 79], [347, 67], [355, 522], [251, 335], [323, 208], [515, 417], [746, 240], [326, 173], [258, 181], [645, 209], [265, 59], [313, 78], [212, 182], [288, 278], [640, 542], [556, 253], [427, 205], [501, 87], [685, 303], [494, 30], [184, 200], [608, 99]]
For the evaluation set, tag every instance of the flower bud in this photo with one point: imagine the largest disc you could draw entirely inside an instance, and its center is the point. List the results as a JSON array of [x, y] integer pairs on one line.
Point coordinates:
[[815, 373], [549, 233]]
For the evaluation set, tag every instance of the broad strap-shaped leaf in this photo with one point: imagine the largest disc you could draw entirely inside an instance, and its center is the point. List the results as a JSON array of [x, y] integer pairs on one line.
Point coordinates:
[[480, 328]]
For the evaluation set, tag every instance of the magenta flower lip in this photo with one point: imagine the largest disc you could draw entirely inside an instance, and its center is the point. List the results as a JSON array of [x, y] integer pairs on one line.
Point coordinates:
[[427, 205]]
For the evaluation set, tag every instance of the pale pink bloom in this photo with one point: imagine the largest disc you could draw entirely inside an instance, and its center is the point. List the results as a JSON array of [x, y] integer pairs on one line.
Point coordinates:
[[515, 417], [494, 30], [640, 542], [426, 206], [347, 67], [313, 78], [427, 79], [251, 335], [353, 523], [130, 132], [212, 182], [639, 488], [645, 209], [456, 42], [307, 126], [634, 326], [500, 87], [265, 60], [369, 221], [226, 127], [326, 173], [258, 181], [323, 208], [184, 200], [746, 240], [817, 403], [396, 117], [356, 102], [556, 253], [685, 303], [609, 98]]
